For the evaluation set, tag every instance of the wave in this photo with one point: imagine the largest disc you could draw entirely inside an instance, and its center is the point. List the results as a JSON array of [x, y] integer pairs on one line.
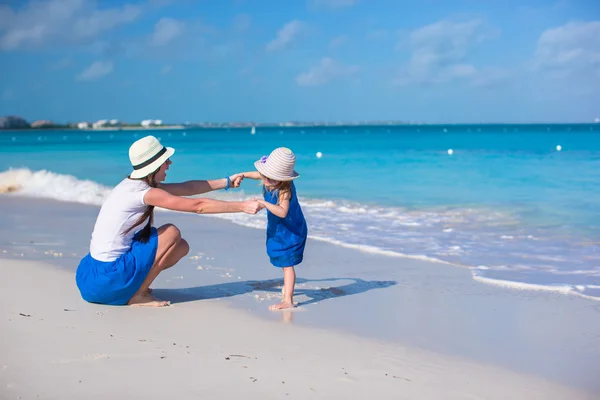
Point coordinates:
[[577, 290], [487, 241], [47, 184]]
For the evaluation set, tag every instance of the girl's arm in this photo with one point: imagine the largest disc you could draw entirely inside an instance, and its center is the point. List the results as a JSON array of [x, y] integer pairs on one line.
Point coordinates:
[[191, 188], [251, 175], [161, 198], [280, 210]]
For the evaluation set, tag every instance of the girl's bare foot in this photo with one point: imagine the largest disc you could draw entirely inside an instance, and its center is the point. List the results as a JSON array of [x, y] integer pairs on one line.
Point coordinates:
[[281, 306], [145, 300]]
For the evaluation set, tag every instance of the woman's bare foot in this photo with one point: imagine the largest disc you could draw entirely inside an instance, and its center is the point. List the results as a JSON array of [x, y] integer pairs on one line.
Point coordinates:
[[281, 306], [145, 300]]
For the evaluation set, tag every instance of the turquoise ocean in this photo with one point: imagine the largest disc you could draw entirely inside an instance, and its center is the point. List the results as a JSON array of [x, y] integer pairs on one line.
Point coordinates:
[[519, 205]]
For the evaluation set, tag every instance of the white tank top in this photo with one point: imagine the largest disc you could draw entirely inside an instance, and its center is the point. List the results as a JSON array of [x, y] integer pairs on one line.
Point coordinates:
[[120, 211]]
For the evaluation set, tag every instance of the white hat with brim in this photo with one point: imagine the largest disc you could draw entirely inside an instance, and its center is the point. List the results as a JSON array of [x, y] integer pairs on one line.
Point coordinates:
[[279, 165], [147, 155]]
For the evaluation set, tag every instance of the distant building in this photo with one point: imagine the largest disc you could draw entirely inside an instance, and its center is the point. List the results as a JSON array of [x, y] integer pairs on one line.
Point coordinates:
[[147, 123], [100, 123], [105, 123], [13, 122], [83, 125], [42, 124]]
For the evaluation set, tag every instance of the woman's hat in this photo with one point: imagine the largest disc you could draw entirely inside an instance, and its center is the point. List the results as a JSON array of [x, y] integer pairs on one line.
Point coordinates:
[[147, 155], [279, 165]]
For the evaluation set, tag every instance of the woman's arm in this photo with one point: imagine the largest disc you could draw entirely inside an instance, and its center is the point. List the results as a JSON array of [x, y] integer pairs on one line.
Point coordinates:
[[161, 198], [280, 210], [191, 188]]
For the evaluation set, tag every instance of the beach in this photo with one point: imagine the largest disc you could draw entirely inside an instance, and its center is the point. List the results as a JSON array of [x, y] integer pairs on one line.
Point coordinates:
[[417, 330], [505, 204]]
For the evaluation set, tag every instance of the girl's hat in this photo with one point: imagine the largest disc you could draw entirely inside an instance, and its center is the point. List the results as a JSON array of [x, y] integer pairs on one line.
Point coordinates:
[[279, 165], [147, 155]]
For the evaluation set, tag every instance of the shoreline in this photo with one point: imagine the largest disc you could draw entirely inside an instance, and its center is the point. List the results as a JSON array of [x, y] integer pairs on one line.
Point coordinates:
[[586, 290], [92, 343], [418, 304], [592, 125], [126, 128]]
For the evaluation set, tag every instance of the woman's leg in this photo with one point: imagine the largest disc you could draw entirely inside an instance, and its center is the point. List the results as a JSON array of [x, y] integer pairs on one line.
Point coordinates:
[[169, 259], [289, 281], [171, 248]]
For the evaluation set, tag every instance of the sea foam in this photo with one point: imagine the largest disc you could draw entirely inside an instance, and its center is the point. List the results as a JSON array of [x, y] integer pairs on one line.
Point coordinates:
[[469, 237]]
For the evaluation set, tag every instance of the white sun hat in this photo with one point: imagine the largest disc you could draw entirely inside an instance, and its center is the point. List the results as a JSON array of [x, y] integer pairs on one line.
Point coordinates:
[[147, 155], [279, 165]]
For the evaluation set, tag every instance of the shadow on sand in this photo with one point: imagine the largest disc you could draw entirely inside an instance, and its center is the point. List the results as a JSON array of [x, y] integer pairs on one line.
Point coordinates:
[[229, 289]]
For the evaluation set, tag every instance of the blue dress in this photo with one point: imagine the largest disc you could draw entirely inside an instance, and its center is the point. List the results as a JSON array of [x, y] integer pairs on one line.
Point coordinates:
[[286, 237], [115, 282]]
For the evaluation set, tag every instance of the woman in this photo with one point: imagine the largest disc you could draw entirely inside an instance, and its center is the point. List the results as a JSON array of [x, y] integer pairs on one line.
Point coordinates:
[[126, 252]]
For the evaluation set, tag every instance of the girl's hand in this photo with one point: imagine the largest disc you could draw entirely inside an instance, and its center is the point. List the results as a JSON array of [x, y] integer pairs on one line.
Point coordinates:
[[251, 207], [236, 180]]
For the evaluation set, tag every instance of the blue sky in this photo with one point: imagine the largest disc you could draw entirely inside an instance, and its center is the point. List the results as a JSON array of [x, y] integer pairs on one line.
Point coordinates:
[[274, 60]]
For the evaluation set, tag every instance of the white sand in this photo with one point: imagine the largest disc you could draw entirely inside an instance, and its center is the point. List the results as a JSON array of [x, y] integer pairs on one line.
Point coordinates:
[[56, 346]]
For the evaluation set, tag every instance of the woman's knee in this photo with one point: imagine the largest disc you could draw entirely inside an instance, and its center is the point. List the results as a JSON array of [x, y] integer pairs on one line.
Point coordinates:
[[170, 233], [183, 247], [175, 254]]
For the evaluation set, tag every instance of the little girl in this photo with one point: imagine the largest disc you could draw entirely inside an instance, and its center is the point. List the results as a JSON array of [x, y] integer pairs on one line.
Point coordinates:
[[286, 226]]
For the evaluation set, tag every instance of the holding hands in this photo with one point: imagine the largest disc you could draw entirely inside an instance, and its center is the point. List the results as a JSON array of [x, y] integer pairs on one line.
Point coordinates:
[[236, 180], [252, 206]]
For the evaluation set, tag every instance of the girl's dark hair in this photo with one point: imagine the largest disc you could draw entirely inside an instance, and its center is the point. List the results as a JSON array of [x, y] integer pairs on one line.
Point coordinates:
[[148, 213]]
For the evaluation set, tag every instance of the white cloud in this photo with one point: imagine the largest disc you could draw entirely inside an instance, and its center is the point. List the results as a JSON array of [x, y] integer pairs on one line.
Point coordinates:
[[338, 41], [166, 69], [324, 72], [6, 15], [332, 3], [573, 48], [166, 30], [63, 21], [285, 36], [439, 53], [242, 23], [8, 94], [246, 71], [104, 20], [95, 71], [61, 64], [490, 76], [377, 34]]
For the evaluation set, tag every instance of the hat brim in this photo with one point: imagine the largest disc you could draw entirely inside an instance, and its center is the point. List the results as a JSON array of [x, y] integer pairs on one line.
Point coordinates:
[[150, 168], [261, 168]]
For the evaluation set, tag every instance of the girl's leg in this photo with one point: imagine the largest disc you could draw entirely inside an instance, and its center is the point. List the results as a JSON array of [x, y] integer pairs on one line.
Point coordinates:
[[171, 248], [289, 281]]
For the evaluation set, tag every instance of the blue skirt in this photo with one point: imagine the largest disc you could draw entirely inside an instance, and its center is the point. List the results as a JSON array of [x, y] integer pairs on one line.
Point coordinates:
[[115, 282], [291, 256]]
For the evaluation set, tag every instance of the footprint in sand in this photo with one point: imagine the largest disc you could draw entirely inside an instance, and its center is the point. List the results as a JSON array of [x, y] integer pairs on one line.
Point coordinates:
[[346, 379], [87, 357]]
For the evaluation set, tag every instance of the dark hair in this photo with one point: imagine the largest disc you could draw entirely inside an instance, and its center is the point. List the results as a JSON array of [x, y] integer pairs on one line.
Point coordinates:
[[148, 212]]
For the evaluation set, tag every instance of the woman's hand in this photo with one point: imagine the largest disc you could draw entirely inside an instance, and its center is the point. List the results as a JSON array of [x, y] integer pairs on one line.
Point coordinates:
[[251, 207], [280, 210]]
